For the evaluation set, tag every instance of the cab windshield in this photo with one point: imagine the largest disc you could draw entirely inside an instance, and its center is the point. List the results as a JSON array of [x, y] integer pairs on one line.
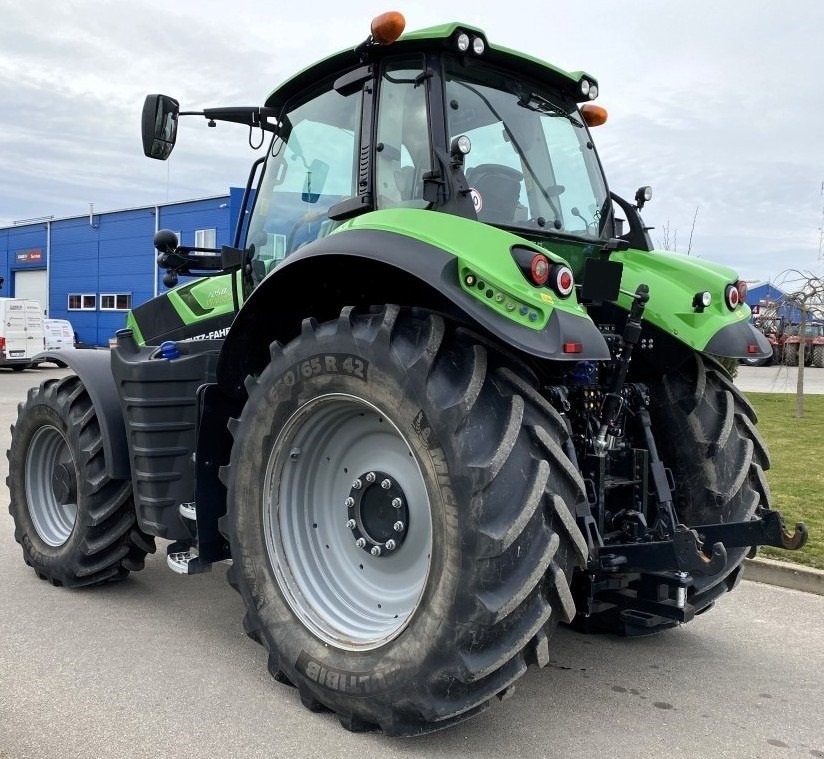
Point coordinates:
[[531, 164]]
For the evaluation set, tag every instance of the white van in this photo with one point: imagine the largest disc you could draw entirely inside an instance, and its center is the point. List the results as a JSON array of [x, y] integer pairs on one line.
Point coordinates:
[[22, 335], [59, 335]]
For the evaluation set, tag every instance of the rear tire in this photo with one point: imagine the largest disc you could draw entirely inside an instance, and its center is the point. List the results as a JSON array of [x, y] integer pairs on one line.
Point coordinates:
[[818, 356], [425, 634], [706, 436], [76, 525]]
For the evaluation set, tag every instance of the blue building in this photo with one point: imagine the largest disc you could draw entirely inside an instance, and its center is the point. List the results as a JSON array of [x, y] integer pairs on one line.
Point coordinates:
[[92, 269]]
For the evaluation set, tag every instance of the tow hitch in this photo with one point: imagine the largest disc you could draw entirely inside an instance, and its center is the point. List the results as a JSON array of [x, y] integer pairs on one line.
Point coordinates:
[[703, 549], [650, 585]]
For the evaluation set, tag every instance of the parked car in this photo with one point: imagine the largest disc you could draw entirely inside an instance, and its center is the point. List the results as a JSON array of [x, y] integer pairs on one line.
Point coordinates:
[[60, 335]]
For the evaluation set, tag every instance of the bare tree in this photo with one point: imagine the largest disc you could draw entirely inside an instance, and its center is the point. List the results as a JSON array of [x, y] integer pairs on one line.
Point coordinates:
[[808, 297], [669, 236], [692, 229]]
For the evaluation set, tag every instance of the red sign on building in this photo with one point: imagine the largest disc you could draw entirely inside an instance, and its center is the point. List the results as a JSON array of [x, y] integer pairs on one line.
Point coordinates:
[[33, 256]]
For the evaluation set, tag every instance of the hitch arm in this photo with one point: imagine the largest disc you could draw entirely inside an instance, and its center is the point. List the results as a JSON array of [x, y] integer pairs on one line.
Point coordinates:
[[769, 530], [688, 549], [684, 552]]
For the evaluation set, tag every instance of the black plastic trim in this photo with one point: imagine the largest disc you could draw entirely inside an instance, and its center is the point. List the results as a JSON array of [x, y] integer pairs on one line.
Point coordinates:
[[156, 318], [732, 341]]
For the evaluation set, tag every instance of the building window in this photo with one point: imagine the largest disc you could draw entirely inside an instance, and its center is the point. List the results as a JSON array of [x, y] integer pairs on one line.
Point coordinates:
[[82, 302], [205, 238], [115, 301]]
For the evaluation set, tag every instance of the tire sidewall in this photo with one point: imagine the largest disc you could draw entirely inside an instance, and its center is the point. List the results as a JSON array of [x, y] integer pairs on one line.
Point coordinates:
[[313, 368]]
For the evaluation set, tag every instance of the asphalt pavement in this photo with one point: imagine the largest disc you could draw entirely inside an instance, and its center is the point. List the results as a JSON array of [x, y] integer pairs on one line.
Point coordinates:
[[159, 666], [779, 379]]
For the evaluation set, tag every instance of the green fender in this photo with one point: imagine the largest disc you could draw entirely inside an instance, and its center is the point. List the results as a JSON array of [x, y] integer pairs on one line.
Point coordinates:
[[674, 280]]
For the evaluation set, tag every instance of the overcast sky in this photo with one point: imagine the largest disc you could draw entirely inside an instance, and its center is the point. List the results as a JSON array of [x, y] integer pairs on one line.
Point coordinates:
[[718, 104]]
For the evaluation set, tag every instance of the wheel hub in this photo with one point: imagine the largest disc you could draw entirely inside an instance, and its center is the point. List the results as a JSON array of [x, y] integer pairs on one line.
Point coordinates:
[[378, 515], [64, 484]]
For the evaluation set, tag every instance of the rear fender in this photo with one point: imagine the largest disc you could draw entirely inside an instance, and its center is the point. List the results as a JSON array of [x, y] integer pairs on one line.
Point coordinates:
[[93, 367], [674, 281], [360, 266]]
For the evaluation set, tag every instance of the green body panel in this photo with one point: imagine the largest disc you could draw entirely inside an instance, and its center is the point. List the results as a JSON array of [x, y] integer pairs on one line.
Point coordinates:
[[203, 299], [131, 323], [194, 303], [673, 281], [483, 251]]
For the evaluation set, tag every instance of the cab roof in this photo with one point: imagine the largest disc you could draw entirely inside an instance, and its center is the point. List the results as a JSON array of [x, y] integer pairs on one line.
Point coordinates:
[[434, 38]]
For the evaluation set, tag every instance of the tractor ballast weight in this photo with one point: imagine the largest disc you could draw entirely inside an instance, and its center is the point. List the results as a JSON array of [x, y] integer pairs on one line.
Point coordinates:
[[438, 396]]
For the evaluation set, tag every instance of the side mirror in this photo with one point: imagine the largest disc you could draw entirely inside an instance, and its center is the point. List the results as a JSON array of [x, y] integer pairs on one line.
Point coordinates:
[[159, 126], [315, 180]]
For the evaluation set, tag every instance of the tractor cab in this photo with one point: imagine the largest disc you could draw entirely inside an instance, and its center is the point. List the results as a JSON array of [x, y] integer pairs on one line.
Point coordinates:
[[438, 120]]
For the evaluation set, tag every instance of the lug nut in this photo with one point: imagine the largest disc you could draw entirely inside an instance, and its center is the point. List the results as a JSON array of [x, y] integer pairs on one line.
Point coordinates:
[[386, 484], [390, 545], [361, 542], [398, 526], [349, 502], [376, 551], [357, 485], [351, 524], [397, 503], [370, 477]]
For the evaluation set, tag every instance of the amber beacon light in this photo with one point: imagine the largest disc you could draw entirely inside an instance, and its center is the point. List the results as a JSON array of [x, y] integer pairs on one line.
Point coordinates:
[[387, 27]]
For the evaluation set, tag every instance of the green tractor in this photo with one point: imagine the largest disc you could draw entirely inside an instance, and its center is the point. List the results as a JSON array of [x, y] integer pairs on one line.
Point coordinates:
[[440, 395]]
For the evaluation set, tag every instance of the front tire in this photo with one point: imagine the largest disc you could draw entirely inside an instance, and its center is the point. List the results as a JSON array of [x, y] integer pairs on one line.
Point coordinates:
[[465, 455], [76, 525]]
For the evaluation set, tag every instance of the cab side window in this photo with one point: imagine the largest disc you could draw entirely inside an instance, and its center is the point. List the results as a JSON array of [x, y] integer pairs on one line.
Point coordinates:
[[403, 153], [312, 166]]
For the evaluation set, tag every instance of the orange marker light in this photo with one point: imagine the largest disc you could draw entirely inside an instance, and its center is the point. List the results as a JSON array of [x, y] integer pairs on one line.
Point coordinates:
[[387, 27], [594, 115]]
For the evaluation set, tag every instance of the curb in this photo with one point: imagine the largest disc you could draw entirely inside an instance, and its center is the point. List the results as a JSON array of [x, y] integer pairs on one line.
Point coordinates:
[[785, 575]]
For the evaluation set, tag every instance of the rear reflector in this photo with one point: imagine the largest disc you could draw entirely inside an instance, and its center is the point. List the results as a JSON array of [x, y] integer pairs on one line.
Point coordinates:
[[753, 348], [573, 347]]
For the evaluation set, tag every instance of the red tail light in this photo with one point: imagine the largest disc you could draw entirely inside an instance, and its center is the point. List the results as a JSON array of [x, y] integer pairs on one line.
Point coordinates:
[[562, 280], [732, 297]]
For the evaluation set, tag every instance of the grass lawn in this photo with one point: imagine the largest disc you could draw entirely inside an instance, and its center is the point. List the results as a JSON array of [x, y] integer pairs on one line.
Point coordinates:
[[796, 477]]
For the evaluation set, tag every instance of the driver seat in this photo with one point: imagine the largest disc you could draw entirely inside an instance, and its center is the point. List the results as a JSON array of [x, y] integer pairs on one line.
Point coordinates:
[[499, 188]]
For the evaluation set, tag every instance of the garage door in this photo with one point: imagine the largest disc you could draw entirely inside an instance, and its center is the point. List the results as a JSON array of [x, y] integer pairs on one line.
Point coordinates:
[[32, 285]]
